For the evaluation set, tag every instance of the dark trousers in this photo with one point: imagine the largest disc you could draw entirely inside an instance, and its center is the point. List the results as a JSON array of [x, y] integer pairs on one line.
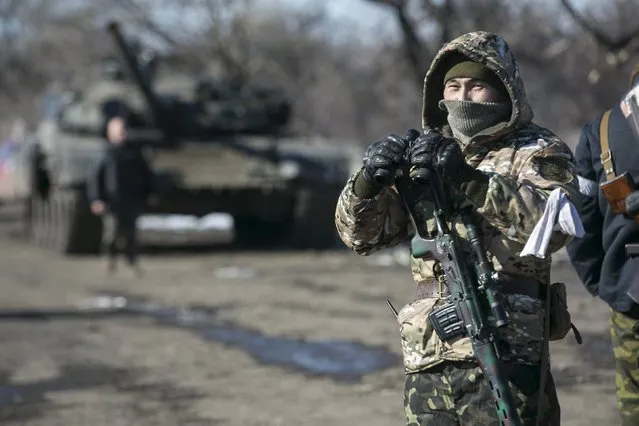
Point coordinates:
[[122, 235]]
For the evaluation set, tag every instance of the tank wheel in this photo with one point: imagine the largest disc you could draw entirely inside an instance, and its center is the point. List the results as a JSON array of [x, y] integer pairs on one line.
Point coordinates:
[[61, 212], [78, 230], [64, 224], [313, 225], [38, 224]]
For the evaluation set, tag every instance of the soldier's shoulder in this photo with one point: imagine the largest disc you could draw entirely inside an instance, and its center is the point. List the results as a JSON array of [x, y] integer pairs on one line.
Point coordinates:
[[535, 150], [590, 131], [533, 140]]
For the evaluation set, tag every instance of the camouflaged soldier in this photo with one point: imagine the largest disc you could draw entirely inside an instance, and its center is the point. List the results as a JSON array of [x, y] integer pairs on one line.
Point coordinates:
[[493, 157]]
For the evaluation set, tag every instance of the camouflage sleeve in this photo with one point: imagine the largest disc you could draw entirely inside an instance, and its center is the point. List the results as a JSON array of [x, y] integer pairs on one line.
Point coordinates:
[[514, 204], [367, 225]]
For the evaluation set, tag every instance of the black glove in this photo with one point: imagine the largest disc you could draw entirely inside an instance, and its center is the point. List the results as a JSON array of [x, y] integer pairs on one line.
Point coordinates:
[[632, 205], [436, 152], [383, 158], [381, 161], [444, 155]]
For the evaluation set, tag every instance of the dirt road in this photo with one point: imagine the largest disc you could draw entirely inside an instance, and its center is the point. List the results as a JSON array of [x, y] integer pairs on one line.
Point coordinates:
[[216, 339]]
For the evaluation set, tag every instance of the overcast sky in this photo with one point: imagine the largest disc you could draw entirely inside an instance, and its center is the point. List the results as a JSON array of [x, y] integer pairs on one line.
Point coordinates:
[[354, 10], [350, 18], [358, 17], [367, 20]]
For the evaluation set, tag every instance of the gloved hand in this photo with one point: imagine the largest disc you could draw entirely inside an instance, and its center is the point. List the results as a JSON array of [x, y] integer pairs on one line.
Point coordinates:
[[444, 155], [632, 205], [436, 152], [384, 157], [381, 161]]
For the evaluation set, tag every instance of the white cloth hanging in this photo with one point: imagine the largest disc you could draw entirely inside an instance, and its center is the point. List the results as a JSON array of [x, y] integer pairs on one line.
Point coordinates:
[[559, 215]]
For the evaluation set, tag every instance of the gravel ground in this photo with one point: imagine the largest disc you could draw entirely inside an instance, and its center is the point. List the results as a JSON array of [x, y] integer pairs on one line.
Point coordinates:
[[277, 338]]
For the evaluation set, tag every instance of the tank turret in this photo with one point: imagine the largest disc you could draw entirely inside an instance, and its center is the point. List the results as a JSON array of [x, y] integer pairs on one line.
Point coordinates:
[[218, 144]]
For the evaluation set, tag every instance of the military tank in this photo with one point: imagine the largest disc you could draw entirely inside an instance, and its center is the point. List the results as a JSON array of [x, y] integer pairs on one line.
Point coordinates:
[[215, 146]]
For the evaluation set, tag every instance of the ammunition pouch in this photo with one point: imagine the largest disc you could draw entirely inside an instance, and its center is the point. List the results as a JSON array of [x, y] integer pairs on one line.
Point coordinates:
[[418, 346], [616, 190], [560, 319], [447, 322]]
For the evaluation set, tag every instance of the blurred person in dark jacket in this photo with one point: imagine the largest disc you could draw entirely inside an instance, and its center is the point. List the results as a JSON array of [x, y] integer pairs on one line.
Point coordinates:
[[600, 258], [118, 189]]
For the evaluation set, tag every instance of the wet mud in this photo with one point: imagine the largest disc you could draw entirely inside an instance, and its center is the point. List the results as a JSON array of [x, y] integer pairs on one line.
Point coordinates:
[[344, 361], [23, 401]]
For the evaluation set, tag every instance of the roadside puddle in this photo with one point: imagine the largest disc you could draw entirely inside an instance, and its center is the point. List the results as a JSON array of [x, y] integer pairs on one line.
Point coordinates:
[[341, 360], [10, 396]]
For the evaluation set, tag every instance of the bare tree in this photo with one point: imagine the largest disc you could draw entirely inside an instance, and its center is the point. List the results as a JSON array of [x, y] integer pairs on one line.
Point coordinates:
[[614, 45], [417, 49], [346, 90]]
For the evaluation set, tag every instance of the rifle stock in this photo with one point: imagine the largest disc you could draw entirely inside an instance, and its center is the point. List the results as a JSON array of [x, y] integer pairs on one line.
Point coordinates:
[[472, 290]]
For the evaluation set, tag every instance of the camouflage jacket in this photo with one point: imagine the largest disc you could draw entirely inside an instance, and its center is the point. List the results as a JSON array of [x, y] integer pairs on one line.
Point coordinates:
[[524, 163]]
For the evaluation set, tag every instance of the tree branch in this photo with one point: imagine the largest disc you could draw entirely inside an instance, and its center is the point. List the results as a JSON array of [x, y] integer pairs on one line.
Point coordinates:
[[413, 45], [600, 37]]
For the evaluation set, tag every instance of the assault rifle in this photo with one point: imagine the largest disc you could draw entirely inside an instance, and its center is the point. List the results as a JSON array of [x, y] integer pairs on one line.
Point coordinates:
[[473, 308]]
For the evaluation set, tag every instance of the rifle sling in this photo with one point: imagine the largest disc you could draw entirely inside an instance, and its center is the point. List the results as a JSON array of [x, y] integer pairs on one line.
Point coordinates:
[[545, 358], [606, 155]]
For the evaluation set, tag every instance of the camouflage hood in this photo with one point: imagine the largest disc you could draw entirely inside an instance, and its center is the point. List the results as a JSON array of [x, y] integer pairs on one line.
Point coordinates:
[[492, 51]]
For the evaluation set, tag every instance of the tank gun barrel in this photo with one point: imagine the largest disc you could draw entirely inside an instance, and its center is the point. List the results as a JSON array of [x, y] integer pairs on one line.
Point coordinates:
[[157, 113]]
